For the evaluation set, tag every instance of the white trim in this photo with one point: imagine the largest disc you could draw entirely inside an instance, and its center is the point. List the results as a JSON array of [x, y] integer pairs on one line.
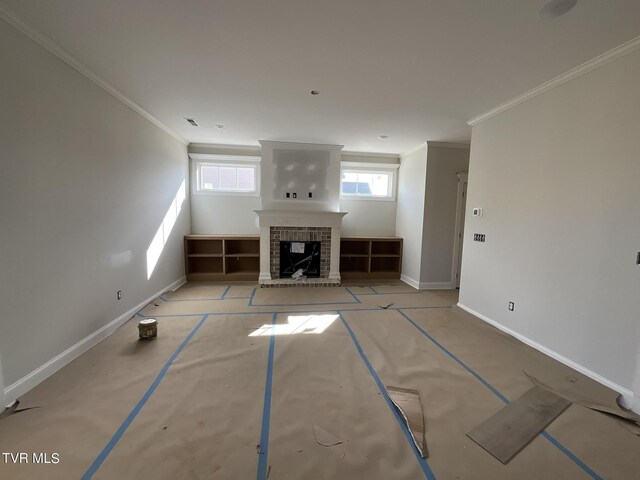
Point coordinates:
[[627, 394], [299, 146], [365, 165], [224, 158], [410, 281], [463, 177], [225, 146], [436, 286], [199, 159], [414, 150], [572, 74], [425, 285], [464, 145], [29, 381], [391, 156], [53, 47]]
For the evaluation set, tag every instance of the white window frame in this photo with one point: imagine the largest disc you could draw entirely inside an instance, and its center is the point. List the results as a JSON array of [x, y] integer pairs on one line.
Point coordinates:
[[199, 160], [365, 167]]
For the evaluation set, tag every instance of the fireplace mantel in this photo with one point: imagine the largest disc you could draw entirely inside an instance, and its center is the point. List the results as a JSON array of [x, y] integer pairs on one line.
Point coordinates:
[[298, 218]]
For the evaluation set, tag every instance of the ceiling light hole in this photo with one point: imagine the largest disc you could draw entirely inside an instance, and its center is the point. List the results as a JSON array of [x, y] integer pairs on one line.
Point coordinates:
[[315, 92], [192, 122], [220, 126], [383, 137]]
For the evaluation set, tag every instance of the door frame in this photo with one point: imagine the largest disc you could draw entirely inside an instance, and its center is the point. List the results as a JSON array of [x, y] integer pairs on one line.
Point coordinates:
[[463, 177]]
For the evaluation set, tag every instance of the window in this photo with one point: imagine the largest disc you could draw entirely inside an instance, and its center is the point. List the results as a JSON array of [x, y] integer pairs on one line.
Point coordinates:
[[368, 180], [225, 174]]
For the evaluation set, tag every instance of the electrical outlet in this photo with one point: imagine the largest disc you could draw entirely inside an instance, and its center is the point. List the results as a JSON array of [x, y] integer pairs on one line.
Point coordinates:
[[310, 194], [119, 294], [295, 195], [288, 195], [478, 237], [638, 259], [512, 306]]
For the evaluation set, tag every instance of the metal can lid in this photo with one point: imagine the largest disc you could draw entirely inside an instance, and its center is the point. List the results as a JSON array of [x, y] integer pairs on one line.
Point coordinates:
[[148, 321]]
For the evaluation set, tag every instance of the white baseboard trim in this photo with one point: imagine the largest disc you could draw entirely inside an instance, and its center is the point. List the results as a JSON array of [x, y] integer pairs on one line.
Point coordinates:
[[436, 286], [425, 285], [410, 281], [626, 393], [29, 381]]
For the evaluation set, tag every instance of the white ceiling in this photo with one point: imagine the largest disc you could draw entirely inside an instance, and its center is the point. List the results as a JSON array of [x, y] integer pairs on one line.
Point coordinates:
[[415, 70]]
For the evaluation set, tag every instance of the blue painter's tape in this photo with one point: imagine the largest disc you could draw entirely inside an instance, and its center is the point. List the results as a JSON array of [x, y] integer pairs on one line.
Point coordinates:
[[263, 452], [225, 292], [548, 436], [123, 428], [251, 304], [357, 300], [253, 292], [257, 312], [428, 473]]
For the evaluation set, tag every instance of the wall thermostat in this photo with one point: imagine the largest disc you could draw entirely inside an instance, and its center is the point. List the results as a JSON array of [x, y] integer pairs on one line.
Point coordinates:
[[477, 212]]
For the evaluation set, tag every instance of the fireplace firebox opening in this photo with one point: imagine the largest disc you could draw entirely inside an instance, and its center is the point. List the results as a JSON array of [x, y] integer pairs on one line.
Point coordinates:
[[303, 256]]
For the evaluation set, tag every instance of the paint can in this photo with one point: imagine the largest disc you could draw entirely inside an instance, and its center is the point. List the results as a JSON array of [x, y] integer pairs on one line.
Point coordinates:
[[148, 328]]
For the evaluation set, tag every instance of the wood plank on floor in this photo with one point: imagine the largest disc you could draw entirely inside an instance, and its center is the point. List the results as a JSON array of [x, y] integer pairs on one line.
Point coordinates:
[[516, 425]]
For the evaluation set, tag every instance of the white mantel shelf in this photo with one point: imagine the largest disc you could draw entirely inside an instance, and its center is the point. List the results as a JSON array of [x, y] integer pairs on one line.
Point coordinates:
[[298, 218]]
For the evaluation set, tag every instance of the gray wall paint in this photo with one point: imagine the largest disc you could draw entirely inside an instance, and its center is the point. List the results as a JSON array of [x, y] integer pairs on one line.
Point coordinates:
[[443, 163], [85, 184], [412, 177], [557, 177]]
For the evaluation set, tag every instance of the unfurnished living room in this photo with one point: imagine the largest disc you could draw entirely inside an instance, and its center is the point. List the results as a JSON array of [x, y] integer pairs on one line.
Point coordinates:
[[297, 239]]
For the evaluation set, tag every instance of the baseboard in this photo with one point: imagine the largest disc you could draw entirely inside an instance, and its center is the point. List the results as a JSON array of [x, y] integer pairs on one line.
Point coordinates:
[[29, 381], [425, 285], [410, 281], [436, 286], [626, 393]]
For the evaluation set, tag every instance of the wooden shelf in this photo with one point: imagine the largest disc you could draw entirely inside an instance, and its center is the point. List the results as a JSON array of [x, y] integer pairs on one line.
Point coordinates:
[[222, 257], [370, 257]]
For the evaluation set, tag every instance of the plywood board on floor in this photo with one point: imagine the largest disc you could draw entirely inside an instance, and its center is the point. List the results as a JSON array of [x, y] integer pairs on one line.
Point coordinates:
[[511, 429]]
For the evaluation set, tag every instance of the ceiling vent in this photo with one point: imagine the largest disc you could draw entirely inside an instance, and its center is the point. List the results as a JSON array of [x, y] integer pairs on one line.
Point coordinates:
[[192, 122]]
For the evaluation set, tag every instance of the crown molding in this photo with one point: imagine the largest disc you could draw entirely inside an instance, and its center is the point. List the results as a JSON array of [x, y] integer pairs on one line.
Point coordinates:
[[223, 146], [393, 156], [299, 145], [466, 146], [53, 47], [597, 62], [414, 150]]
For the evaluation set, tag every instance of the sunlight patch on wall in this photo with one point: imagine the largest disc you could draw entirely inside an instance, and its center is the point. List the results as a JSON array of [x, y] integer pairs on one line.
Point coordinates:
[[164, 231], [297, 324]]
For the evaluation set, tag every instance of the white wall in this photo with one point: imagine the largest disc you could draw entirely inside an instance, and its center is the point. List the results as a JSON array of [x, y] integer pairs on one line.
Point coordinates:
[[443, 164], [375, 218], [219, 214], [85, 184], [224, 214], [412, 177], [558, 179]]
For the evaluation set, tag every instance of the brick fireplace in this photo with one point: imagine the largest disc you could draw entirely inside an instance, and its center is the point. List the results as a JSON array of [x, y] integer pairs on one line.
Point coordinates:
[[300, 234], [299, 226]]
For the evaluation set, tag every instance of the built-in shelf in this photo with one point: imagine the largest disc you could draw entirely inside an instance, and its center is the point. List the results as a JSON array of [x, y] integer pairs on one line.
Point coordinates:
[[370, 257], [222, 257]]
